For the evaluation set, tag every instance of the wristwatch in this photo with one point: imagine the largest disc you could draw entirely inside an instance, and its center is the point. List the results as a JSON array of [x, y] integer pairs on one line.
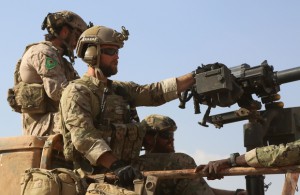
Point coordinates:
[[233, 159]]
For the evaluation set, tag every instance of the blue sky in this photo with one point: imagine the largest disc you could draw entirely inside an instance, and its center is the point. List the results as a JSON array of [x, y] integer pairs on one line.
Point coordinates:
[[170, 38]]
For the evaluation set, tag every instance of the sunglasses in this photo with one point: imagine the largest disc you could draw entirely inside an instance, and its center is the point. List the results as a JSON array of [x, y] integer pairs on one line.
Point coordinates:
[[110, 51]]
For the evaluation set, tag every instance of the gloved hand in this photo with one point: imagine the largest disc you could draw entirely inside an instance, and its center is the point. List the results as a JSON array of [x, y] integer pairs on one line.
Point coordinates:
[[126, 173]]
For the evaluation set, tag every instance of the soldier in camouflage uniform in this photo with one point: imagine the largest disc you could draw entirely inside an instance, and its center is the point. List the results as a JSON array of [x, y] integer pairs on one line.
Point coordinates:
[[266, 156], [160, 155], [99, 135], [159, 136], [43, 72]]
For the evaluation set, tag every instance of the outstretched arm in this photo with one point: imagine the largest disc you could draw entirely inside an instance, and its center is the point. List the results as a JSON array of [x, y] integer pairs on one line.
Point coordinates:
[[184, 82], [213, 167]]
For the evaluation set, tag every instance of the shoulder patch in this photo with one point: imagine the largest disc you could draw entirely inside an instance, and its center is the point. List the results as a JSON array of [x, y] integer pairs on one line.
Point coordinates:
[[50, 63]]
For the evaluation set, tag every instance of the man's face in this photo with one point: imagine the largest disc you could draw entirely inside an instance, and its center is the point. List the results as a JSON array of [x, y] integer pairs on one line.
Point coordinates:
[[70, 36], [164, 142], [109, 60]]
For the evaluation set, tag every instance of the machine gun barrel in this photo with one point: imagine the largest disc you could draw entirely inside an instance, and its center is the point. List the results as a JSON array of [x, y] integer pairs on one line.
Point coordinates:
[[289, 75], [229, 117]]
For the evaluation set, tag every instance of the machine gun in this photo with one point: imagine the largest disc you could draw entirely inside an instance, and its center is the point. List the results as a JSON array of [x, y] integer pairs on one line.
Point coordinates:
[[218, 85]]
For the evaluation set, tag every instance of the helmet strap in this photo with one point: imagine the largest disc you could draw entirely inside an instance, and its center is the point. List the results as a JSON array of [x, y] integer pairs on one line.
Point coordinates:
[[99, 74], [70, 54]]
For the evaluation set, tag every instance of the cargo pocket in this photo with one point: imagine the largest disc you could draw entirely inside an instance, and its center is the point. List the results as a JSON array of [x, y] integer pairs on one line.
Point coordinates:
[[31, 98]]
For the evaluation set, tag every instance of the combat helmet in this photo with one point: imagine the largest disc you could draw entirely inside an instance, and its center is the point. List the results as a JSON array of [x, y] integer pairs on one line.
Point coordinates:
[[156, 122], [53, 21], [89, 44]]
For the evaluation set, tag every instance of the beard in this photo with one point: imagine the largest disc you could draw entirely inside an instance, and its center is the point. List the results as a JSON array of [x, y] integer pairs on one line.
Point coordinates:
[[65, 50], [109, 70], [164, 148]]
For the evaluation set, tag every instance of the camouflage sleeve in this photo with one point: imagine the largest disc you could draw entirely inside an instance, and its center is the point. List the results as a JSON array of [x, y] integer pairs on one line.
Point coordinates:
[[76, 105], [274, 155], [154, 94], [49, 66]]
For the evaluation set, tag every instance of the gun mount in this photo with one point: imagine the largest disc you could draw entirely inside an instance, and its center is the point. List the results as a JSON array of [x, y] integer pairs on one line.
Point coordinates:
[[218, 85]]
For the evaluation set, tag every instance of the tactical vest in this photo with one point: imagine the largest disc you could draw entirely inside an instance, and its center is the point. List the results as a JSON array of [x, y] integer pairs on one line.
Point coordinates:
[[28, 98], [127, 138], [113, 120]]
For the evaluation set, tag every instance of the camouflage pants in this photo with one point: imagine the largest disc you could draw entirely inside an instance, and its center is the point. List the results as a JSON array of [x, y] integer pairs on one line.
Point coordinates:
[[173, 161]]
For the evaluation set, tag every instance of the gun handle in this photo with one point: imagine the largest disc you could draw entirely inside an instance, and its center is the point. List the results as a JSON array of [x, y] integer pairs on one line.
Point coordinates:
[[183, 99], [196, 105]]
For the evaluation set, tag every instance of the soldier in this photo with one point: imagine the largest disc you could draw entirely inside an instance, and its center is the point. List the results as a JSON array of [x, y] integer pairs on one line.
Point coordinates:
[[43, 72], [99, 135], [159, 144]]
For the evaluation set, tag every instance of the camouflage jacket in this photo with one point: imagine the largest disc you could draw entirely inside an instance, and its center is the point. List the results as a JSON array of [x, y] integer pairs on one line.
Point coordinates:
[[44, 64], [82, 105], [274, 155]]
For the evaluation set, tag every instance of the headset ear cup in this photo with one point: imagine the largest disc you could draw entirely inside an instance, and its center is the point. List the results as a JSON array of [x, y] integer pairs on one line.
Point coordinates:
[[53, 21], [49, 23], [90, 55], [44, 24]]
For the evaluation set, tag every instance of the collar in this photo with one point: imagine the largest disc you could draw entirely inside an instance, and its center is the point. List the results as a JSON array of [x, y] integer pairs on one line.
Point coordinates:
[[93, 80]]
